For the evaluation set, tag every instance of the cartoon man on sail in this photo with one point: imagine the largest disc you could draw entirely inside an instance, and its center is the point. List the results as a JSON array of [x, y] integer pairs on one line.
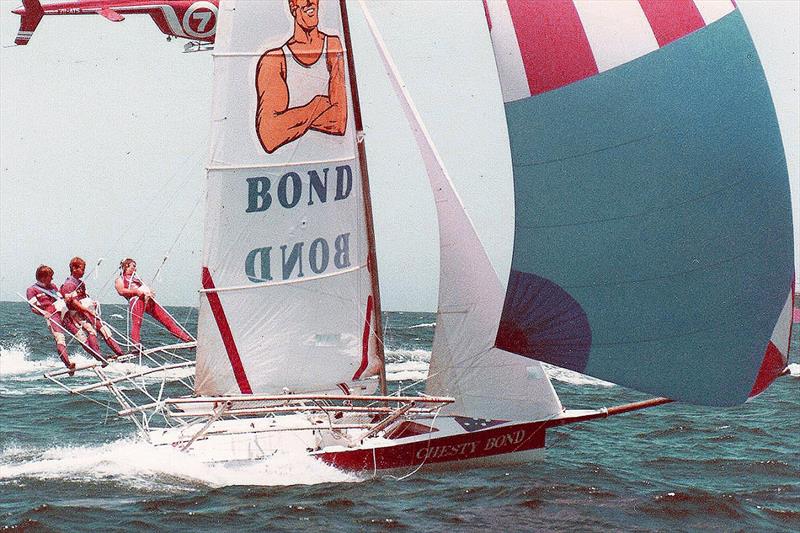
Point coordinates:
[[301, 85]]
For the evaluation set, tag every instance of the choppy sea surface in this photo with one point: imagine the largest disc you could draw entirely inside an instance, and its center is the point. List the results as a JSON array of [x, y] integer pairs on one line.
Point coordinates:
[[69, 464]]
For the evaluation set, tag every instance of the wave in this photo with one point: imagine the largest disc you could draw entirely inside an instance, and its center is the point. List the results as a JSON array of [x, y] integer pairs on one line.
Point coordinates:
[[401, 355], [414, 370], [137, 464], [15, 361], [794, 369], [115, 369], [573, 378], [428, 325], [21, 375], [419, 366], [406, 376], [404, 365]]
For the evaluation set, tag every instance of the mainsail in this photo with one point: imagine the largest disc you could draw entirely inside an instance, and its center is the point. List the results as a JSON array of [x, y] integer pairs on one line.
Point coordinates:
[[485, 381], [287, 302], [653, 238]]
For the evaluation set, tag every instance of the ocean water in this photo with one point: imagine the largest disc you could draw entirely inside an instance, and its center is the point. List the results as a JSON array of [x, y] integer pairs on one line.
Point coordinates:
[[68, 464]]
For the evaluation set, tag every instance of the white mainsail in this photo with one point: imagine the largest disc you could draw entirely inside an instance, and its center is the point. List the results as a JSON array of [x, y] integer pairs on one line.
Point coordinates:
[[287, 302], [485, 381]]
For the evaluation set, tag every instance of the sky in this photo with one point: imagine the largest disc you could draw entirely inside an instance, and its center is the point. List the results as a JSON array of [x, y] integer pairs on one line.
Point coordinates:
[[104, 137]]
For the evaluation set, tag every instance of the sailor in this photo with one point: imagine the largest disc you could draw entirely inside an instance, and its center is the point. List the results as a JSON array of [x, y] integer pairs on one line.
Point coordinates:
[[140, 300], [45, 300], [84, 313]]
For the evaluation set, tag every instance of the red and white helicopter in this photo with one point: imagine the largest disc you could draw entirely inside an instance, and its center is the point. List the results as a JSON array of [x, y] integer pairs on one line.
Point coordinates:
[[195, 20]]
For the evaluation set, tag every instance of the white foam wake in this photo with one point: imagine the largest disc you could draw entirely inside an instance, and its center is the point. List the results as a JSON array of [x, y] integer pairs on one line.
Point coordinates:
[[115, 369], [573, 378], [21, 375], [15, 361], [409, 370], [138, 464], [429, 325], [412, 365], [794, 369], [400, 355], [406, 376]]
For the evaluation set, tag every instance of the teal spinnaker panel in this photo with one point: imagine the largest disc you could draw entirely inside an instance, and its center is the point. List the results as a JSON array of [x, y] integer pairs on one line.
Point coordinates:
[[653, 243]]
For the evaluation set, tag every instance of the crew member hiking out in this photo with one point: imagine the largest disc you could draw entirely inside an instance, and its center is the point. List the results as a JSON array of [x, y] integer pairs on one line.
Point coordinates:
[[140, 300], [46, 301], [84, 313]]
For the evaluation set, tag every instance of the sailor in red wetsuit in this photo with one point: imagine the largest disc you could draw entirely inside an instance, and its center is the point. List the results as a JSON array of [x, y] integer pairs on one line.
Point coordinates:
[[140, 300], [45, 300], [84, 313]]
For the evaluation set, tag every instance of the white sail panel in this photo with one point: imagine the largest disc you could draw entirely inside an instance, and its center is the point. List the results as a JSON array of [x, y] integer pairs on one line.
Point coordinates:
[[486, 382], [286, 300]]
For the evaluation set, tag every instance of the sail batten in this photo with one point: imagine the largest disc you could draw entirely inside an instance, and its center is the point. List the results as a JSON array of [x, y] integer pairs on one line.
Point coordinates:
[[279, 165], [265, 284]]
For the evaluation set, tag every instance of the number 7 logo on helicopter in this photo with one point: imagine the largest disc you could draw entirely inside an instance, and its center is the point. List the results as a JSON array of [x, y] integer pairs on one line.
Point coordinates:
[[200, 20]]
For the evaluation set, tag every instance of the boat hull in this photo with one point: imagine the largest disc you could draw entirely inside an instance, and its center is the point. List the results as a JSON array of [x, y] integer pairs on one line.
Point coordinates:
[[446, 442], [512, 443]]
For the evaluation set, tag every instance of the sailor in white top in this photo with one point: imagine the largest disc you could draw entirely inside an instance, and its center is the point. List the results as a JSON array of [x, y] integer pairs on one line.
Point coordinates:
[[305, 81], [301, 85]]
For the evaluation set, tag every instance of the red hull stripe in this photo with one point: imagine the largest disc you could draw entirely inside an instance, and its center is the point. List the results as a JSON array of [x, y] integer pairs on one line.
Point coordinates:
[[464, 446], [671, 20], [225, 332], [365, 340], [552, 42]]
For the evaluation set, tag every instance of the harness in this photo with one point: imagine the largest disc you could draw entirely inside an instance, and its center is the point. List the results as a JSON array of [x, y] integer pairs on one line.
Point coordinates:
[[54, 294], [79, 284], [58, 301]]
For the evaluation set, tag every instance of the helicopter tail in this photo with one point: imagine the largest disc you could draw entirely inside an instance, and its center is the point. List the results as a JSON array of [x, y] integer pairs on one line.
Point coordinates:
[[31, 13]]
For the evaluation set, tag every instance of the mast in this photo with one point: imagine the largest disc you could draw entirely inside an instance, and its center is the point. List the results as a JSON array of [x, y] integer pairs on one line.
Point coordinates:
[[486, 382], [372, 260]]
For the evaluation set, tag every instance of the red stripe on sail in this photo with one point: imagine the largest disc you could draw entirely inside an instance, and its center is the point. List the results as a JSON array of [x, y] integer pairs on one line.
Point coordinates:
[[671, 20], [225, 332], [772, 367], [791, 322], [552, 42], [365, 340], [488, 17]]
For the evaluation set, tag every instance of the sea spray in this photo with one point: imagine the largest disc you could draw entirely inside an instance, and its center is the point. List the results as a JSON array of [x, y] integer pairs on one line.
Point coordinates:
[[140, 465], [574, 378], [15, 360], [426, 325], [407, 365]]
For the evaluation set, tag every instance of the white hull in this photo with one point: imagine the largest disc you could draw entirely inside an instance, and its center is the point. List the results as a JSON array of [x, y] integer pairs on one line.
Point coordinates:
[[432, 442]]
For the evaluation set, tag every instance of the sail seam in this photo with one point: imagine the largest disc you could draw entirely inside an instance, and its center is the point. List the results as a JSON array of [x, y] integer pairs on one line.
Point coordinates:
[[280, 165], [278, 283]]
